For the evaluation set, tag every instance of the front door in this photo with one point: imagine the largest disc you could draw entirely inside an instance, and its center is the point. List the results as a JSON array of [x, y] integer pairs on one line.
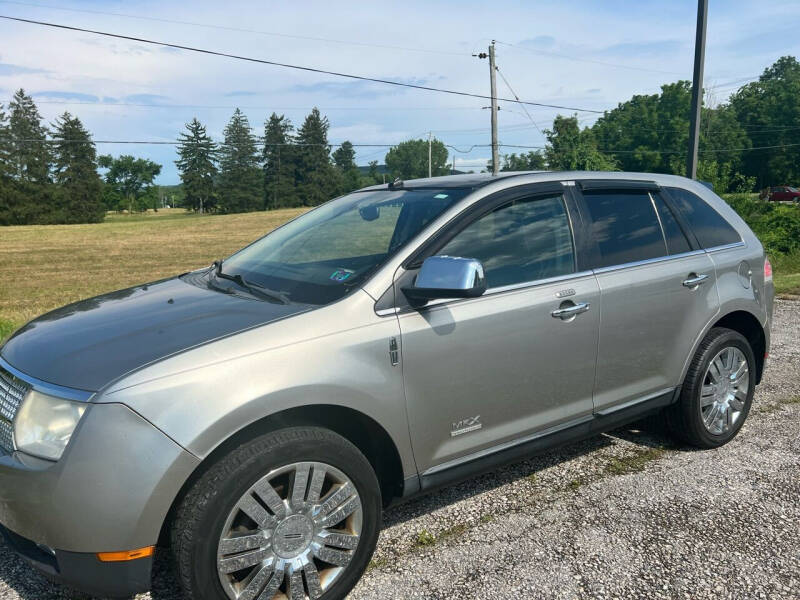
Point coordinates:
[[484, 371]]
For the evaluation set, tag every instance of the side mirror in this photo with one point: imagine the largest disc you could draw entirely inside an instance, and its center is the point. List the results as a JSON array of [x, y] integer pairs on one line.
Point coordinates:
[[446, 277]]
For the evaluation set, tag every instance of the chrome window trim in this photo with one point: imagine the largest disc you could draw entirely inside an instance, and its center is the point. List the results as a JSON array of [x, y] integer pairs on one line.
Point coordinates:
[[50, 389], [739, 244], [649, 261]]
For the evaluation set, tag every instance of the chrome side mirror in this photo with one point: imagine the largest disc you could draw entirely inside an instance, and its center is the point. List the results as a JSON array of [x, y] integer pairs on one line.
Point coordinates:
[[447, 277]]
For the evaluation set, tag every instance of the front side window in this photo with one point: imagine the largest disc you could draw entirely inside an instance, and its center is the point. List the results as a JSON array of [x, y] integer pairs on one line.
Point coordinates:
[[319, 257], [625, 227], [523, 241], [708, 225]]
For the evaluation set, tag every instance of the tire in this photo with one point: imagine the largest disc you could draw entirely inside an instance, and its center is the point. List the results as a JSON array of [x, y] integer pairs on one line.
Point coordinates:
[[688, 417], [212, 508]]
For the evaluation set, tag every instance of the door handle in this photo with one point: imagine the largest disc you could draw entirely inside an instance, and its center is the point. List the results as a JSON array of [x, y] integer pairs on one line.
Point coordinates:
[[570, 311], [695, 281]]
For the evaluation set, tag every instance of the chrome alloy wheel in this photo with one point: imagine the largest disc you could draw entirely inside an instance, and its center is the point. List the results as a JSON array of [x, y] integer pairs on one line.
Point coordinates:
[[291, 535], [724, 391]]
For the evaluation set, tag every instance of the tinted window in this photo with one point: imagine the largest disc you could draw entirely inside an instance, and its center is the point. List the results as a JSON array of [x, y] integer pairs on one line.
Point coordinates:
[[708, 225], [676, 240], [625, 227], [519, 242]]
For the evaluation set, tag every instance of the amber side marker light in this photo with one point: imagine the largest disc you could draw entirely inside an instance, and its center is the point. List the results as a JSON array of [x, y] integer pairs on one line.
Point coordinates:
[[126, 555]]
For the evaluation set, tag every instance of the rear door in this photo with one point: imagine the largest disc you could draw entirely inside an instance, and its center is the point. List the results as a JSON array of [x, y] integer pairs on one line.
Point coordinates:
[[658, 291], [484, 371]]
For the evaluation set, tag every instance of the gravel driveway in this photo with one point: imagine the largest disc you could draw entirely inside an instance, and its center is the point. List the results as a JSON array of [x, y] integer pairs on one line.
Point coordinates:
[[623, 515]]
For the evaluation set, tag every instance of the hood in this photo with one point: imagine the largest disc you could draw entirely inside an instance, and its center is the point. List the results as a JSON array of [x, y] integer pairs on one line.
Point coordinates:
[[88, 344]]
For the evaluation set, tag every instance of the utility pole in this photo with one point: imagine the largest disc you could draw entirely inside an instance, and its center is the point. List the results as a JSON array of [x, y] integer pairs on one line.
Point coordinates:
[[493, 79], [430, 170], [697, 88]]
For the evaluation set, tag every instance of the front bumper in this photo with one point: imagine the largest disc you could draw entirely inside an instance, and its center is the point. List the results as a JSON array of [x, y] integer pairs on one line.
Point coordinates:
[[84, 571], [111, 491]]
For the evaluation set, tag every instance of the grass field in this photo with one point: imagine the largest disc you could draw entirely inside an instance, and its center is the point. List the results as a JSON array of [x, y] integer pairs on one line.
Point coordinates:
[[47, 266]]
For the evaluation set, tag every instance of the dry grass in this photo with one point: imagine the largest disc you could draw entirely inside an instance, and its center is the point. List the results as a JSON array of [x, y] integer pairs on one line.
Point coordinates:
[[47, 266]]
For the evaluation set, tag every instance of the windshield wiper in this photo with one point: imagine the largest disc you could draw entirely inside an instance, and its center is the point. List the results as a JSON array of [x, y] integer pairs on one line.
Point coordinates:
[[253, 288]]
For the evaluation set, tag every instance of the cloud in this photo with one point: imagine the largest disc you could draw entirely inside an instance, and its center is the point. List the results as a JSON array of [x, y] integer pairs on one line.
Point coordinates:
[[7, 69], [145, 98], [238, 93], [355, 89], [541, 42], [67, 96]]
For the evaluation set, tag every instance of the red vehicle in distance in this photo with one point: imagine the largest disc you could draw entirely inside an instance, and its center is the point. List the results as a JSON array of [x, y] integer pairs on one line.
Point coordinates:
[[781, 193]]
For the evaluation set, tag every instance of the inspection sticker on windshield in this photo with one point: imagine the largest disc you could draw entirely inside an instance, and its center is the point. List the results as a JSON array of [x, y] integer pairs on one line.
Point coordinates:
[[341, 275], [440, 196]]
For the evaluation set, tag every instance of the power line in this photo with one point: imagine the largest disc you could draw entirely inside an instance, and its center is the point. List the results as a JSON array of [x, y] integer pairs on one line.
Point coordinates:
[[239, 29], [513, 93], [288, 66], [245, 107]]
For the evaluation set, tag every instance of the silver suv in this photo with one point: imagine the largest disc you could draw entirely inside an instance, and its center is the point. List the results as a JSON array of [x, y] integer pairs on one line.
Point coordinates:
[[257, 415]]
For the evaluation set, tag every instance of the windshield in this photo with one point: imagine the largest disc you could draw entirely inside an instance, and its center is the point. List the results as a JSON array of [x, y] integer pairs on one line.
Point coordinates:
[[321, 256]]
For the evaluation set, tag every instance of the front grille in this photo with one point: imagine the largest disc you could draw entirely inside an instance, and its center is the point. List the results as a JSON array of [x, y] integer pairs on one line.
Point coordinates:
[[12, 391]]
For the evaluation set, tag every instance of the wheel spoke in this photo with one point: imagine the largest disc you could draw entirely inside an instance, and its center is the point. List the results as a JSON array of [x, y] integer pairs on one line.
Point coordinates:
[[727, 418], [255, 511], [252, 589], [317, 479], [296, 589], [270, 497], [340, 514], [273, 585], [714, 370], [336, 498], [711, 416], [334, 557], [242, 561], [299, 485], [706, 395], [312, 581], [240, 544], [339, 540], [735, 403]]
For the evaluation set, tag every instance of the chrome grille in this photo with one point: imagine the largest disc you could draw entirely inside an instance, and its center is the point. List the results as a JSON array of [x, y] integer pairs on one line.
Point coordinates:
[[12, 391]]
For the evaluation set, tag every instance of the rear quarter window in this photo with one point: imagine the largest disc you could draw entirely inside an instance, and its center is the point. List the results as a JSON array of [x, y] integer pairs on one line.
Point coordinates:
[[708, 225]]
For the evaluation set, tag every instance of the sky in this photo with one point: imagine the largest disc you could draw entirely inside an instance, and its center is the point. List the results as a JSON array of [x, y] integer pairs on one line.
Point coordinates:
[[587, 54]]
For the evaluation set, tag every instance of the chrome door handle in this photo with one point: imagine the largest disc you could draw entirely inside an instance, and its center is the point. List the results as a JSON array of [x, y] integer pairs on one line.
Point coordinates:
[[695, 281], [570, 311]]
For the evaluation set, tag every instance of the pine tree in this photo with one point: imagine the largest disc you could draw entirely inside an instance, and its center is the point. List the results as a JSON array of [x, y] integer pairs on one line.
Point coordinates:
[[197, 152], [30, 153], [5, 169], [79, 194], [240, 175], [316, 177], [345, 160], [280, 158]]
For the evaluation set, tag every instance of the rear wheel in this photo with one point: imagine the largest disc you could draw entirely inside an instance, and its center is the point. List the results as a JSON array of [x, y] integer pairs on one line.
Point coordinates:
[[293, 514], [717, 392]]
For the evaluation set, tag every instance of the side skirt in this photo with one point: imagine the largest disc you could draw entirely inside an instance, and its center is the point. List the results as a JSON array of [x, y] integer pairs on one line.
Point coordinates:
[[491, 458]]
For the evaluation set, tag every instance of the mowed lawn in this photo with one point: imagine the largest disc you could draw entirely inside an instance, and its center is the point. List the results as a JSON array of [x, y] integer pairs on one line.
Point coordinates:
[[47, 266]]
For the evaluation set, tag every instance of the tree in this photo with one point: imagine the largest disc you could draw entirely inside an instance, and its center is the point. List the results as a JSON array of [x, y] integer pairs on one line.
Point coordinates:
[[130, 179], [409, 160], [345, 160], [280, 161], [240, 174], [532, 161], [373, 175], [29, 150], [5, 169], [571, 149], [197, 155], [769, 110], [317, 181], [75, 172]]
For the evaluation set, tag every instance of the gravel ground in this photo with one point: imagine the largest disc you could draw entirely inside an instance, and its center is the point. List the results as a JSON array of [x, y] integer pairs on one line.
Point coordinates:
[[623, 515]]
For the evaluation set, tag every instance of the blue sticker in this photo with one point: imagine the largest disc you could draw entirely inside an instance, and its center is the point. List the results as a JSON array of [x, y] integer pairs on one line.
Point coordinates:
[[341, 275], [440, 196]]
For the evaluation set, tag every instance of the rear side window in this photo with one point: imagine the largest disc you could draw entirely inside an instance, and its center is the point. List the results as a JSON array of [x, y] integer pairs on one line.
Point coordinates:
[[520, 242], [673, 234], [708, 225], [625, 227]]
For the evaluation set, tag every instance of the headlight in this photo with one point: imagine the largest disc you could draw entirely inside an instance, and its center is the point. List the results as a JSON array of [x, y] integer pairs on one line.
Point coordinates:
[[44, 424]]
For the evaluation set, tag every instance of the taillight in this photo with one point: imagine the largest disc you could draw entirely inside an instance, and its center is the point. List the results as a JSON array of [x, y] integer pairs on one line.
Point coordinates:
[[767, 269]]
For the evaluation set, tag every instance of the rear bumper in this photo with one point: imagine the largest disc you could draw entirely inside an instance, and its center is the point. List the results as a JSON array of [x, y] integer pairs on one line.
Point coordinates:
[[83, 571]]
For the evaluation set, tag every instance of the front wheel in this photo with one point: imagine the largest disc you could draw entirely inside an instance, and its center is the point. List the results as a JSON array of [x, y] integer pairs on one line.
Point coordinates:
[[717, 392], [292, 514]]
